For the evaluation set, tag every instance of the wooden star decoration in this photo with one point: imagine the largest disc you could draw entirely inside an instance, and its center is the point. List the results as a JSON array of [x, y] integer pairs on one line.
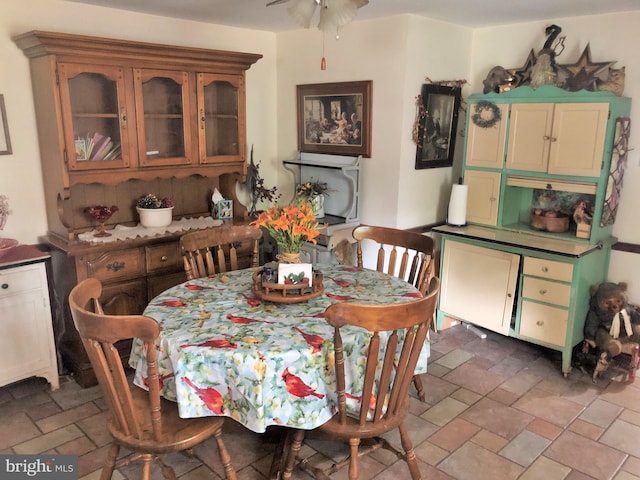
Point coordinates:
[[584, 72], [522, 75]]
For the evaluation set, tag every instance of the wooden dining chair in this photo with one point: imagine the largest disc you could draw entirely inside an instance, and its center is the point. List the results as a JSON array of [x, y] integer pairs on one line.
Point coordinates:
[[215, 250], [398, 333], [140, 421], [401, 253]]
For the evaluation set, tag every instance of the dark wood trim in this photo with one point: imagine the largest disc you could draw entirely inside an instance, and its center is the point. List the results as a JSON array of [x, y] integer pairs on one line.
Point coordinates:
[[626, 247], [424, 228]]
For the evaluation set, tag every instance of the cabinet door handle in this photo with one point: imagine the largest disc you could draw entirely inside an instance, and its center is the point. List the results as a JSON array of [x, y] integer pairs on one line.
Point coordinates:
[[551, 139], [202, 119], [5, 286], [540, 323], [543, 291], [123, 118], [115, 266]]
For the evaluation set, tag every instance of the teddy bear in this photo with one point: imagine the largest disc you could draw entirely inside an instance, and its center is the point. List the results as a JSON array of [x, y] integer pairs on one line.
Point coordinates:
[[612, 324]]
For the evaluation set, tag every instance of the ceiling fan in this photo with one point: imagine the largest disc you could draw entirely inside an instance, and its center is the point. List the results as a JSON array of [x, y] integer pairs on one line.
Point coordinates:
[[333, 13]]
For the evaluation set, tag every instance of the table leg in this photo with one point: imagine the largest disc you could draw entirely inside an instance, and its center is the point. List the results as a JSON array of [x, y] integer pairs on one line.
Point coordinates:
[[277, 464]]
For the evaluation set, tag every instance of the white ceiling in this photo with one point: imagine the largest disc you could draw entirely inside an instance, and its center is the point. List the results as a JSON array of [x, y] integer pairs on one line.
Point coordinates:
[[254, 14]]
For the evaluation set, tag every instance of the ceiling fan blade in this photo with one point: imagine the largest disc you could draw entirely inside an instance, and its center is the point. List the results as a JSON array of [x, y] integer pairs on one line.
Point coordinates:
[[276, 2]]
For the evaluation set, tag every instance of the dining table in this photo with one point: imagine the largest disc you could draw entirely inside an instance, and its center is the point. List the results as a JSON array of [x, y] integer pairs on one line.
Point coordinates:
[[225, 351]]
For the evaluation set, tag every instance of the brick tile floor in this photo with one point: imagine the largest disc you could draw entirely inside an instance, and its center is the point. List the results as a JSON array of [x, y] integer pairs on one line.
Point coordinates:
[[496, 409]]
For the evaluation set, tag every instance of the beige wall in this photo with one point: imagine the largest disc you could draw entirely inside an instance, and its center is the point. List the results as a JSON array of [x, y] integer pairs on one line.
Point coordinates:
[[398, 60]]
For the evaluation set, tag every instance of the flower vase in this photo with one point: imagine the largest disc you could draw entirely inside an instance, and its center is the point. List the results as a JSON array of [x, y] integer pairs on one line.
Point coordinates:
[[289, 257], [317, 206]]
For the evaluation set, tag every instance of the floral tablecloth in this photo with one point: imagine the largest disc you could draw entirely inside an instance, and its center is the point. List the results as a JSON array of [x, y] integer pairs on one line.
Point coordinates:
[[222, 351]]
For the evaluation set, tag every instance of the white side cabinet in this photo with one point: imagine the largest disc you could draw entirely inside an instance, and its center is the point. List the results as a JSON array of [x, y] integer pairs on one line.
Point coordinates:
[[26, 341]]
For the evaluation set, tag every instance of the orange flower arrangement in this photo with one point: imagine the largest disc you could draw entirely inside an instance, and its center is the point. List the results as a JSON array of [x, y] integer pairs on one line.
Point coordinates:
[[290, 226]]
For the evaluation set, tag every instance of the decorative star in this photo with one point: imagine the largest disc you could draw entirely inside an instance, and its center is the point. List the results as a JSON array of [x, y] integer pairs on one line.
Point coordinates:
[[583, 73], [522, 75]]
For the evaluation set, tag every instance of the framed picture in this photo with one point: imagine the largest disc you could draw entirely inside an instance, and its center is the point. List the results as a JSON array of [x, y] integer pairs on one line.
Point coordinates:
[[335, 118], [437, 126], [5, 141]]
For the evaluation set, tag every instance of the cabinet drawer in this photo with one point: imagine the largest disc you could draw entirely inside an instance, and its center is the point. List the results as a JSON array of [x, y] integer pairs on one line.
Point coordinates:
[[544, 323], [546, 291], [20, 279], [548, 269], [112, 265], [163, 257]]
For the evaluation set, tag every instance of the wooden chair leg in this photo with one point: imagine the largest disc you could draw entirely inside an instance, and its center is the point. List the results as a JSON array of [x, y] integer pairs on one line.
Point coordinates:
[[295, 443], [417, 382], [225, 458], [110, 463], [354, 470], [409, 453], [146, 466]]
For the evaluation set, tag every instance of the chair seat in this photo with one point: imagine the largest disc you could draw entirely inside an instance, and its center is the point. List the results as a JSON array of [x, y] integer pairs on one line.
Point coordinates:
[[177, 433]]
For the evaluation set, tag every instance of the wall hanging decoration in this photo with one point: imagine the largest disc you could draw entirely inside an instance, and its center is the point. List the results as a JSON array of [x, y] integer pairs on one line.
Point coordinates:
[[616, 172], [5, 141], [486, 114], [335, 118], [436, 124]]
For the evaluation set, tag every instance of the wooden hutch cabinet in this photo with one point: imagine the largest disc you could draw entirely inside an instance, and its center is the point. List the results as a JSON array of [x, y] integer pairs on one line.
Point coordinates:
[[119, 119], [543, 149]]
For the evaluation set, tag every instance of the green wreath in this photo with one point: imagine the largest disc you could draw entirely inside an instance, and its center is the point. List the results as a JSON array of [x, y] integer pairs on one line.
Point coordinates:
[[487, 106]]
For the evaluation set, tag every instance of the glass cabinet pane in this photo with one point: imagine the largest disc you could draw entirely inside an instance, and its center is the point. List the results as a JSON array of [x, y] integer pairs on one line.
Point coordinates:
[[94, 117], [162, 99], [220, 110]]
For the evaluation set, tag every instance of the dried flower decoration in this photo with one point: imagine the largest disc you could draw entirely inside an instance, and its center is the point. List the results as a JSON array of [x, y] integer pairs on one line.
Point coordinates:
[[151, 201]]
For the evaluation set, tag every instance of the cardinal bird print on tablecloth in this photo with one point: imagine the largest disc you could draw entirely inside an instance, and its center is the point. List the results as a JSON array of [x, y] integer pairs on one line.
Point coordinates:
[[210, 396], [196, 288], [161, 379], [252, 301], [243, 320], [339, 282], [315, 341], [295, 386], [171, 303], [340, 298], [213, 343]]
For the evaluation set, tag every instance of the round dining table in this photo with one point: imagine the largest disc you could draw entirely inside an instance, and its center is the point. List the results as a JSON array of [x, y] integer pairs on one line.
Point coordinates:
[[222, 350]]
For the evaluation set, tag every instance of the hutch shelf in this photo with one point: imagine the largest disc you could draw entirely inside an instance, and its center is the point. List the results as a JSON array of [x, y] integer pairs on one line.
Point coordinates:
[[119, 119]]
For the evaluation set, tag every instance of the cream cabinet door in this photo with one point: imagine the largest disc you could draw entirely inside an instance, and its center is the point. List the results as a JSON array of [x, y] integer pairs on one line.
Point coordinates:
[[482, 197], [577, 139], [529, 136], [478, 285], [485, 146]]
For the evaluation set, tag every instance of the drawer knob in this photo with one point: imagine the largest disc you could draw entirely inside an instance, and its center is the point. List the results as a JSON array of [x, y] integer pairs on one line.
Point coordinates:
[[543, 291], [164, 258], [540, 323], [115, 266], [545, 269], [5, 286]]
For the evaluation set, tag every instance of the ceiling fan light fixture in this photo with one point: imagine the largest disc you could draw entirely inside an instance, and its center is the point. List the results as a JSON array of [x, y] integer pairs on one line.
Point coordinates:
[[337, 13], [302, 12]]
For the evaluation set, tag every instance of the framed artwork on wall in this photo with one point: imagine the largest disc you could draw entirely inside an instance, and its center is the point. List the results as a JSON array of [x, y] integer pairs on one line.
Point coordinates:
[[335, 118], [438, 121], [5, 141]]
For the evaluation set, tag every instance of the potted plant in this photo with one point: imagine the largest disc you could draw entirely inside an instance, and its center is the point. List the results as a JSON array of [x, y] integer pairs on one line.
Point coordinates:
[[313, 191], [154, 212], [291, 227]]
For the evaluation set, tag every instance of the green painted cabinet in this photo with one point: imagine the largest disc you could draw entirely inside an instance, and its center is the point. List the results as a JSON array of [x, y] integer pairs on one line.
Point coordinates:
[[522, 266]]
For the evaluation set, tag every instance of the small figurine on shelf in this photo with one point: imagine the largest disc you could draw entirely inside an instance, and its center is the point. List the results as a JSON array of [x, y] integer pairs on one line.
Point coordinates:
[[583, 216], [101, 213]]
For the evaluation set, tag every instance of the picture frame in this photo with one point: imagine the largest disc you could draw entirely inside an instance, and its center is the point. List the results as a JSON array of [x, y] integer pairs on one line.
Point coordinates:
[[5, 140], [335, 118], [437, 126]]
